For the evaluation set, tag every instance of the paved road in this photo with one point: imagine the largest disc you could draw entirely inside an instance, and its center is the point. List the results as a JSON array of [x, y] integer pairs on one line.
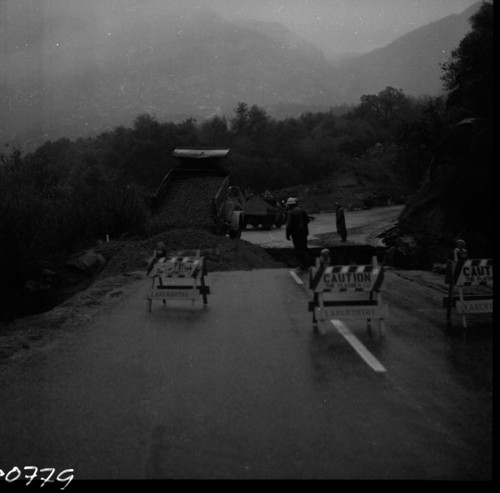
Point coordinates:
[[243, 389], [362, 225]]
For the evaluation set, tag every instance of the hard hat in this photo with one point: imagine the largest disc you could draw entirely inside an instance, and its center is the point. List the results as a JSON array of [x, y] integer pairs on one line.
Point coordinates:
[[291, 201]]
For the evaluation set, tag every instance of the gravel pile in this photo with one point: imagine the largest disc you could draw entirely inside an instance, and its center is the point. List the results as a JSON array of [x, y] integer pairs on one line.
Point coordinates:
[[187, 204], [256, 206], [184, 223], [220, 252]]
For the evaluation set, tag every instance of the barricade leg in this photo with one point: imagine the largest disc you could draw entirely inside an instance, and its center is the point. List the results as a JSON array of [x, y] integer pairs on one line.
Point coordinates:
[[321, 324], [381, 327], [449, 278], [464, 318], [150, 300], [381, 322], [204, 289], [314, 320]]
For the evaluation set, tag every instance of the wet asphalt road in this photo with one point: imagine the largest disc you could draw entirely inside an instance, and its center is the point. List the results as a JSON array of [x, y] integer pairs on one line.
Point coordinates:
[[243, 389], [362, 226]]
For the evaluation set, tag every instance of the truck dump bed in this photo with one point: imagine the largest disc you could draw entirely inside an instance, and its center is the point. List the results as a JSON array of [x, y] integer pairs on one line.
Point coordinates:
[[187, 196]]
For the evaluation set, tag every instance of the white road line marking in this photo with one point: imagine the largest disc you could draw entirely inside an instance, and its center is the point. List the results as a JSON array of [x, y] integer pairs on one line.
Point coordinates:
[[358, 346], [298, 280]]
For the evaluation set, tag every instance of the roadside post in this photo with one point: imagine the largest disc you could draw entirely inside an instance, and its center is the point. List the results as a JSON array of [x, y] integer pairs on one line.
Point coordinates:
[[470, 288], [179, 278], [347, 292]]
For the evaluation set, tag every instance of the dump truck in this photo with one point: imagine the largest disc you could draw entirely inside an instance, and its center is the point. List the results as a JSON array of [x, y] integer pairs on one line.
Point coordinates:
[[263, 211], [196, 194]]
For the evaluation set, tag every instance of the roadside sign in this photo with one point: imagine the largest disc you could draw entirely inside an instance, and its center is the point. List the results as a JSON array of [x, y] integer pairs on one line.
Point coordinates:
[[347, 278], [477, 272], [347, 292], [179, 278], [478, 306], [353, 313], [176, 267], [174, 292], [465, 281]]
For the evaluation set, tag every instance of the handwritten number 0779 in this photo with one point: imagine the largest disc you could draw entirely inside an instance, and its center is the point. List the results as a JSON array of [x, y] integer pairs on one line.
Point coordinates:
[[65, 476]]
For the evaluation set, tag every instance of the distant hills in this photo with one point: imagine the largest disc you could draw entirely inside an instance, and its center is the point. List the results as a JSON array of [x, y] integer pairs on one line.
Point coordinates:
[[411, 62], [68, 77]]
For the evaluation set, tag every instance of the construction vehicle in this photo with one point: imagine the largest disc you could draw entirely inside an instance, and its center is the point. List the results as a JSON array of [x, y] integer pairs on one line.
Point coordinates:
[[196, 193], [264, 211]]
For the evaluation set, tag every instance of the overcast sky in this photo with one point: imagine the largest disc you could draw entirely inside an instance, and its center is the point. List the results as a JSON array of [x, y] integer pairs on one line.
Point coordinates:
[[341, 26]]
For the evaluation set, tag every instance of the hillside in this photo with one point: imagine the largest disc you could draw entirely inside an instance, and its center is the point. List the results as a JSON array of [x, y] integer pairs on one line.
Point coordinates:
[[456, 198], [64, 75], [370, 182], [174, 67], [411, 63]]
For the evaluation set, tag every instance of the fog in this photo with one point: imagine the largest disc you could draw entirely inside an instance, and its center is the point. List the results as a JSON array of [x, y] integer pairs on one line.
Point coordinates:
[[346, 26], [335, 26], [71, 65]]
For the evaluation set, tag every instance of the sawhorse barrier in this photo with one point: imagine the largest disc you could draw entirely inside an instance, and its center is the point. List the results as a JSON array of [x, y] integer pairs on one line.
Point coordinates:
[[179, 278], [347, 292], [464, 279]]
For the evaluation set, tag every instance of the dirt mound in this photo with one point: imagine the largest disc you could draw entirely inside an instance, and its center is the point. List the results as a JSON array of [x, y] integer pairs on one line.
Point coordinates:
[[220, 252], [255, 205]]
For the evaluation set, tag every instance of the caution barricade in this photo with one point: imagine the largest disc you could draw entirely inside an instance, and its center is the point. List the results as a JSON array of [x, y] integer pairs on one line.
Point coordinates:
[[179, 278], [470, 288], [347, 292]]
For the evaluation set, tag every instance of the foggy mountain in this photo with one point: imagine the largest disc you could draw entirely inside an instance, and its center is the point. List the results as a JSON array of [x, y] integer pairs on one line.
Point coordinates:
[[412, 62], [79, 74]]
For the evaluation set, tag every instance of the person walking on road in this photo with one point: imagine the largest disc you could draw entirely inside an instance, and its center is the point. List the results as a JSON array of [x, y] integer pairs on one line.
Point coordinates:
[[297, 230], [340, 221]]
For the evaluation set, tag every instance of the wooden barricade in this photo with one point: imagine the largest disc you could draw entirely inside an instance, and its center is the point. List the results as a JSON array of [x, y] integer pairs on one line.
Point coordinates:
[[179, 278], [347, 292], [470, 288]]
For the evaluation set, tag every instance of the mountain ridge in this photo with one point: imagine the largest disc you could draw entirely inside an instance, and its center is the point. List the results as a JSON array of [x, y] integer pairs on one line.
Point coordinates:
[[195, 66]]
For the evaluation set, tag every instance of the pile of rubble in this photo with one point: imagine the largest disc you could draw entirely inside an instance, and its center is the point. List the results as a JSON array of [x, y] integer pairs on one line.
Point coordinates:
[[188, 204], [220, 252]]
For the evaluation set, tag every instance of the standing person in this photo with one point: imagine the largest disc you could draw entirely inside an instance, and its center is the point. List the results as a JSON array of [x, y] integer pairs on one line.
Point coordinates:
[[324, 258], [297, 230], [340, 221], [460, 252]]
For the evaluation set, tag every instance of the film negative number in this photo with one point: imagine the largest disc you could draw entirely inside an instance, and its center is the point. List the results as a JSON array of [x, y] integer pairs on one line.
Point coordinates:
[[44, 475]]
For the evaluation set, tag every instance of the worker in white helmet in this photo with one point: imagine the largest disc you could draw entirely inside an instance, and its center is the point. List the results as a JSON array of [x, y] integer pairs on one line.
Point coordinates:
[[297, 230], [460, 251]]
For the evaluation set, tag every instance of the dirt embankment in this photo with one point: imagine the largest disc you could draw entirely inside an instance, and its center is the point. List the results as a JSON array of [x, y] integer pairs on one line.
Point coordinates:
[[360, 185]]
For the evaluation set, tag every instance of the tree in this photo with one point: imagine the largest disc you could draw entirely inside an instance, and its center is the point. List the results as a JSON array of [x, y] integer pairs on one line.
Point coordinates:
[[468, 74], [215, 132], [258, 123], [390, 106], [239, 122], [418, 141]]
